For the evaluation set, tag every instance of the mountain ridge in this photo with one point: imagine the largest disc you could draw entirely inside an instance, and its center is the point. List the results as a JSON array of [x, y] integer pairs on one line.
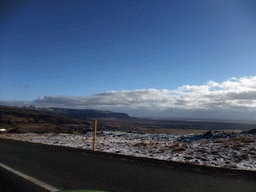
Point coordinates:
[[86, 113]]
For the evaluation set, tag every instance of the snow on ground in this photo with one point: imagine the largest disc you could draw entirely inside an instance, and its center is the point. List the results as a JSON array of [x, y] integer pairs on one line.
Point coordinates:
[[219, 149]]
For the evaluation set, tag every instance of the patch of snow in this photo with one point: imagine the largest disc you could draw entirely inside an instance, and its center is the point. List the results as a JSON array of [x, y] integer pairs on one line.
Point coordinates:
[[219, 149]]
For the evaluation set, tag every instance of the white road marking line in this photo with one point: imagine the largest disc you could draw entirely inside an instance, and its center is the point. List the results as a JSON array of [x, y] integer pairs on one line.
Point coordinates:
[[33, 180]]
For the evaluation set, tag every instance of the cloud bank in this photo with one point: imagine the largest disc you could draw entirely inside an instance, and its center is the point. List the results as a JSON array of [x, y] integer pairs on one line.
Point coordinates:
[[231, 99]]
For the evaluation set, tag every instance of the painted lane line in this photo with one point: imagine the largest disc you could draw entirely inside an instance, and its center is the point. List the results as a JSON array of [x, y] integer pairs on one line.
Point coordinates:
[[31, 179]]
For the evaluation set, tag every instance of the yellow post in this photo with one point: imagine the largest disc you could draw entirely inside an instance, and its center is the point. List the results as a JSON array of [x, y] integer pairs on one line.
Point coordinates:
[[94, 137]]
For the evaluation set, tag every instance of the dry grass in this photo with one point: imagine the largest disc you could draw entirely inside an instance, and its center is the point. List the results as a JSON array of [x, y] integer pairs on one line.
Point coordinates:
[[176, 147], [220, 141], [226, 145], [191, 153], [153, 143], [238, 145], [205, 142], [230, 131], [179, 149], [180, 131], [215, 152], [188, 157], [241, 157], [230, 166], [140, 145], [244, 139], [171, 131], [175, 144], [252, 152], [245, 156], [164, 150], [202, 150]]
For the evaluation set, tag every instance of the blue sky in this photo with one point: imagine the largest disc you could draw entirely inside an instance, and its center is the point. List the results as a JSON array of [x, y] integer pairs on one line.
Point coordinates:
[[85, 50]]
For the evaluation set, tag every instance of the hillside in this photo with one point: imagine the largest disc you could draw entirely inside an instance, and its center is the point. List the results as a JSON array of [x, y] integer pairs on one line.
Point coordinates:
[[41, 120], [85, 113], [27, 120]]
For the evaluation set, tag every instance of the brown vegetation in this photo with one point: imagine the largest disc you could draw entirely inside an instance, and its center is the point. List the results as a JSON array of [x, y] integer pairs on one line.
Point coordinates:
[[244, 139], [140, 144], [171, 131], [21, 120], [178, 147]]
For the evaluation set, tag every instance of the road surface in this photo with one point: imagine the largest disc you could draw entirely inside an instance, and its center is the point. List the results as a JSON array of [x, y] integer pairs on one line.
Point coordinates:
[[10, 182], [67, 169]]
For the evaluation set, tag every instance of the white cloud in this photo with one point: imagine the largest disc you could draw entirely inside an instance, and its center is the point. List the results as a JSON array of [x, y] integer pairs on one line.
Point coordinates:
[[234, 98]]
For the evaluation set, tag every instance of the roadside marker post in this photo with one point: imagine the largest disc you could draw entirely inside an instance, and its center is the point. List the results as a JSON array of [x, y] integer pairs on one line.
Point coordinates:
[[94, 137]]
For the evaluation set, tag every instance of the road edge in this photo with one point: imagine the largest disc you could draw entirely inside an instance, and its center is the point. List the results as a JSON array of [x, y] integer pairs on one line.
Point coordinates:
[[31, 179]]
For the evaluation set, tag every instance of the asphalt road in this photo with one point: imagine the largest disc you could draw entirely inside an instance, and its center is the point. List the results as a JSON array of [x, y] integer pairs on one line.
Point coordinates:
[[68, 169], [10, 182]]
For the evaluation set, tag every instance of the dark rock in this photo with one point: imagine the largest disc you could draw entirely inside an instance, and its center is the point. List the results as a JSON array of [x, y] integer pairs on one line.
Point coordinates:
[[208, 133], [253, 131], [15, 130]]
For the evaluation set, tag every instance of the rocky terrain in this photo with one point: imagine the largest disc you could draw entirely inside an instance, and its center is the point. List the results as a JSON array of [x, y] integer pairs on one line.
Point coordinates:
[[213, 148]]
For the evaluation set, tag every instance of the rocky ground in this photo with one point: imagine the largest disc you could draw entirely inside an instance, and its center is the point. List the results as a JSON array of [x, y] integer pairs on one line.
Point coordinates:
[[213, 148]]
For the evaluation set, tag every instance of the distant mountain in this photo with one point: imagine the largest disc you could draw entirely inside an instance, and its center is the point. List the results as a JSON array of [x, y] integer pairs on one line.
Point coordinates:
[[85, 113]]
